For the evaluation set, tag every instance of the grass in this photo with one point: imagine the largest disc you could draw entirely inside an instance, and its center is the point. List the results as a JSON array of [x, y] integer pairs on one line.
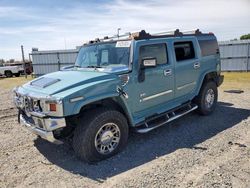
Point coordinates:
[[236, 80], [232, 80], [9, 83]]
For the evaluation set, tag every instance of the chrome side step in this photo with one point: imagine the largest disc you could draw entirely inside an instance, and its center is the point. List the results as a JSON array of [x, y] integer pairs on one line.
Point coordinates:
[[170, 117]]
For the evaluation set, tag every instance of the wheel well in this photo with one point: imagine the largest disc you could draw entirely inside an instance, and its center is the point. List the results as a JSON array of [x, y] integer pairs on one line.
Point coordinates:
[[212, 76], [72, 121], [7, 71], [110, 103]]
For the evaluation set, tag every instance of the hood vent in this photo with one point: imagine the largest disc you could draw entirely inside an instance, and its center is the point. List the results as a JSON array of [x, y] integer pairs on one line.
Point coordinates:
[[44, 82]]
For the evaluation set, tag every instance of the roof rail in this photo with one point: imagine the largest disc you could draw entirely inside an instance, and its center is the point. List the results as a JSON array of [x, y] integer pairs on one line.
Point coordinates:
[[107, 38], [196, 32], [143, 35], [173, 32]]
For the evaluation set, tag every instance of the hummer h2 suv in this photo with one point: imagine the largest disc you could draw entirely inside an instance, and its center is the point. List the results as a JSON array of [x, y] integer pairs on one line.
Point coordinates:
[[138, 81]]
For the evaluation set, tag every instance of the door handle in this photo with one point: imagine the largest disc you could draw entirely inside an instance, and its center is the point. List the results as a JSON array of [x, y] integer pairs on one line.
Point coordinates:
[[197, 65], [167, 72]]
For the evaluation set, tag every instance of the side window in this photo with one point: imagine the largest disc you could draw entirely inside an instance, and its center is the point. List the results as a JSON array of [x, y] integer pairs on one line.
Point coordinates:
[[184, 50], [105, 56], [208, 47], [158, 51], [92, 58]]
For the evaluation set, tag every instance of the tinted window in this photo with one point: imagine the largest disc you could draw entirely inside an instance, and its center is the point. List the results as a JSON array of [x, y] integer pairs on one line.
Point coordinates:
[[158, 51], [208, 47], [184, 50]]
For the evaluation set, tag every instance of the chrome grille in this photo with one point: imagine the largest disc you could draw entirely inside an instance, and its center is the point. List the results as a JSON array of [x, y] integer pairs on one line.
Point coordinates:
[[27, 104]]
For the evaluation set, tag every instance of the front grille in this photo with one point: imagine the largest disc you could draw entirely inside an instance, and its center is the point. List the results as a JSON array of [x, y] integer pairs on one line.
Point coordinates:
[[28, 104]]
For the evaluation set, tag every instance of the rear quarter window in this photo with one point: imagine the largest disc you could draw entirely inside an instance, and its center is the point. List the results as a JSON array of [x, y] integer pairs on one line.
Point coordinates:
[[208, 47]]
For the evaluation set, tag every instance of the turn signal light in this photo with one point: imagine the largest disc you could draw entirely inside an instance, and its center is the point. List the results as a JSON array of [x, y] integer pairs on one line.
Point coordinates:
[[52, 107]]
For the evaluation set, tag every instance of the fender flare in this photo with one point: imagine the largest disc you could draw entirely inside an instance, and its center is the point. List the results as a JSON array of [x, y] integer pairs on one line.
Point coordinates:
[[208, 75], [116, 97]]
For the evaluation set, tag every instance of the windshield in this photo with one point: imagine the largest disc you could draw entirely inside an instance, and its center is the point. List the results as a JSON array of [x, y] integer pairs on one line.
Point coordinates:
[[106, 57]]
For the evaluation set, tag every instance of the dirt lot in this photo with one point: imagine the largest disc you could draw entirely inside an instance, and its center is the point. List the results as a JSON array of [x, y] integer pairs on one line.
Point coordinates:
[[194, 151]]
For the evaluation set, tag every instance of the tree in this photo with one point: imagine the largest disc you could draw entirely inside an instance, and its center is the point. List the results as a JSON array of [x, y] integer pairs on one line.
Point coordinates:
[[12, 60], [2, 61], [244, 37]]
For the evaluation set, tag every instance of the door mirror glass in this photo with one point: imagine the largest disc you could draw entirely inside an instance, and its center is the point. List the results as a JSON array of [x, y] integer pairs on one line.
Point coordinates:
[[149, 62]]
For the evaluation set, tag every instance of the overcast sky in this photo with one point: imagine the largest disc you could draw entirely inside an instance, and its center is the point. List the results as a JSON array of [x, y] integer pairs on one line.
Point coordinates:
[[50, 24]]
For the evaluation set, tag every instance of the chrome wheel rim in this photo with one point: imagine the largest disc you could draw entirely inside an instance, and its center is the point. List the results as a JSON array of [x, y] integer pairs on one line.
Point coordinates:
[[107, 138], [209, 98]]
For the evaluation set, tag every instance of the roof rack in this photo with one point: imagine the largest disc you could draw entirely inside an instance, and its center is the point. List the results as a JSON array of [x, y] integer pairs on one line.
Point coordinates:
[[143, 35], [176, 33], [107, 38]]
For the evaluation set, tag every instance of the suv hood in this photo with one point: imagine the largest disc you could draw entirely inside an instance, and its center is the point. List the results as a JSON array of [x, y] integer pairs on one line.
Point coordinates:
[[57, 82]]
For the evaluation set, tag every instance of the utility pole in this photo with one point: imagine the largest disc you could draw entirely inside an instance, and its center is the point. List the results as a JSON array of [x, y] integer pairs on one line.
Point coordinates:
[[118, 32], [24, 66], [248, 53]]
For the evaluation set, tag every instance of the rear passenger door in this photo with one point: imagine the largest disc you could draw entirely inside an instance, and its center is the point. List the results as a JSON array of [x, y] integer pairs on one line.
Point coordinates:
[[187, 66]]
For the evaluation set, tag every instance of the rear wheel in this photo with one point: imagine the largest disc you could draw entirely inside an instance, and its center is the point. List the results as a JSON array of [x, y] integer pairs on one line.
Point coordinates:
[[100, 134], [17, 74], [207, 98], [8, 74]]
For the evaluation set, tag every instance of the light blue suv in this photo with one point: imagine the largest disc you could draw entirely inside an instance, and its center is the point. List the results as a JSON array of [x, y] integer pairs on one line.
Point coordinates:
[[140, 81]]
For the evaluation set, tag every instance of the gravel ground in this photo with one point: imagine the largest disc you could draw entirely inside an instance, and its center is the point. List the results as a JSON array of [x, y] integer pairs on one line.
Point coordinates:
[[194, 151]]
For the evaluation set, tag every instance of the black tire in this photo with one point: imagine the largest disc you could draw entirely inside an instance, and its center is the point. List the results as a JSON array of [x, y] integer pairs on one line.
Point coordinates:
[[8, 74], [205, 107], [17, 74], [89, 125]]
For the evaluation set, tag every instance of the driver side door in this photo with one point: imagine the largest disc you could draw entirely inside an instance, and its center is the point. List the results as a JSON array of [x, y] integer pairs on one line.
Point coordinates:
[[157, 88]]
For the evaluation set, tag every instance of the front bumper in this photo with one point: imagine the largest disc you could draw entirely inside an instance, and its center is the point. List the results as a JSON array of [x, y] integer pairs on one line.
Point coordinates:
[[48, 125]]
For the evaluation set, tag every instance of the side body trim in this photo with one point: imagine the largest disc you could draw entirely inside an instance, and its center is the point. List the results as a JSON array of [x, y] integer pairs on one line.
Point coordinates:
[[156, 95], [186, 85]]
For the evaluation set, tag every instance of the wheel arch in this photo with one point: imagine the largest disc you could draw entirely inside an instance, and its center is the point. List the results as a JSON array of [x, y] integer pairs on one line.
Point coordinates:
[[8, 71], [209, 76], [116, 102]]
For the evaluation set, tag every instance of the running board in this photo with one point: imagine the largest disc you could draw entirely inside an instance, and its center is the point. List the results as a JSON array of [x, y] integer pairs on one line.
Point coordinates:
[[169, 116]]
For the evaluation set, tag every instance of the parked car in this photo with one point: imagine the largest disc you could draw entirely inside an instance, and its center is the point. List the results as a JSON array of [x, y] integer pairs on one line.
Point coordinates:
[[140, 82], [28, 66], [9, 71]]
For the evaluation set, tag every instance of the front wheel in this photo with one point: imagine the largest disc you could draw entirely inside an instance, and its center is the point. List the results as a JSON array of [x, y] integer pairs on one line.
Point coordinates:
[[100, 134], [207, 98], [8, 74]]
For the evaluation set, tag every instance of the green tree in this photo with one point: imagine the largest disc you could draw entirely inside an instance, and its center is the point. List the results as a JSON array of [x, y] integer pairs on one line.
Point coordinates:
[[244, 37]]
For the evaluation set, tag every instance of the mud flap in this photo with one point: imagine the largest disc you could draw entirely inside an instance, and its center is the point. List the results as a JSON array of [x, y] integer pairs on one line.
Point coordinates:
[[219, 80], [19, 113]]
